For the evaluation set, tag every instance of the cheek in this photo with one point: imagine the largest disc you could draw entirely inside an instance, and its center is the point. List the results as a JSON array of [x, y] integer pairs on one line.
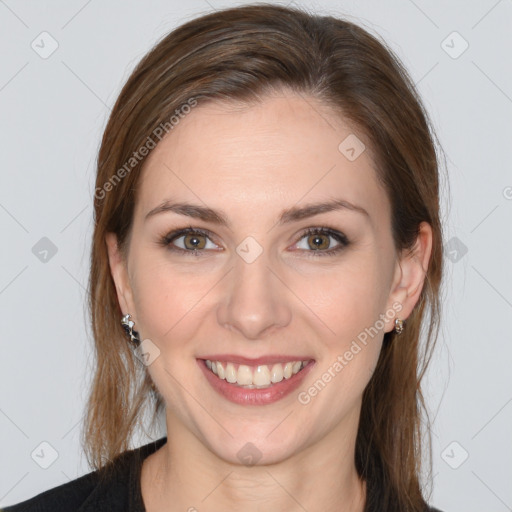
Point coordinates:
[[348, 302], [346, 299], [166, 298]]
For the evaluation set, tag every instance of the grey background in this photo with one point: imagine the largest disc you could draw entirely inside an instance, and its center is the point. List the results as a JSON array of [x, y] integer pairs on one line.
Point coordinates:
[[53, 112]]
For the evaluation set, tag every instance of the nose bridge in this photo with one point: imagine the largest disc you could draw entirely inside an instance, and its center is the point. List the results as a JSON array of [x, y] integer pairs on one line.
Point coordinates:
[[255, 298]]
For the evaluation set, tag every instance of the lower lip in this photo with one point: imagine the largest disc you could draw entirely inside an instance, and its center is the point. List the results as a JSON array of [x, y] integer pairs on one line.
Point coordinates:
[[255, 396]]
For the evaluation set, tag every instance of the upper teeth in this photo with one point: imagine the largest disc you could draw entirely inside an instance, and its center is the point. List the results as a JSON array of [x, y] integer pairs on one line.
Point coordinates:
[[255, 377]]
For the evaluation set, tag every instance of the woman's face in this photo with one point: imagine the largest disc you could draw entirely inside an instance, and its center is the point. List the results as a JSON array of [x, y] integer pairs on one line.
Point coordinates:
[[250, 288]]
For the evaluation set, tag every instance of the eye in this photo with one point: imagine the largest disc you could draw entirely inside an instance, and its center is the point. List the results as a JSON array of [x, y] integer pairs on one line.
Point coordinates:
[[189, 240], [318, 241]]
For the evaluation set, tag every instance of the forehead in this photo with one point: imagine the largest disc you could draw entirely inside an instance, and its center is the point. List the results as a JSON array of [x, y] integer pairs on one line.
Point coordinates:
[[261, 157]]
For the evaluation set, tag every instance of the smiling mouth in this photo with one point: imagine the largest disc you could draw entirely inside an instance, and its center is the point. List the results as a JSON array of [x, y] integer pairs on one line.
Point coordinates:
[[255, 377]]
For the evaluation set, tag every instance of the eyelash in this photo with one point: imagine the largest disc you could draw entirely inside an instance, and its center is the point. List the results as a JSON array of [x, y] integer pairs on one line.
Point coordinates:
[[343, 241]]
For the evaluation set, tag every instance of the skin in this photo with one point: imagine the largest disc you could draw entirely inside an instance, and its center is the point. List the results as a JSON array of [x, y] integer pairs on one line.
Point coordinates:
[[252, 163]]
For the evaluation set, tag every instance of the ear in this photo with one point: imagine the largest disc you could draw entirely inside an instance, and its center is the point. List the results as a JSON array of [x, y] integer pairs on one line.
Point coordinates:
[[410, 272], [119, 271]]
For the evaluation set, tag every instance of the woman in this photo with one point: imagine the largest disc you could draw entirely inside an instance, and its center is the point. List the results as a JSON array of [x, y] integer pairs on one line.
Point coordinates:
[[267, 243]]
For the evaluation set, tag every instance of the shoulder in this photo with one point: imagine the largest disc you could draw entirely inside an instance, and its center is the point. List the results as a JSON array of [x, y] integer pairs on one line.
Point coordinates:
[[97, 490]]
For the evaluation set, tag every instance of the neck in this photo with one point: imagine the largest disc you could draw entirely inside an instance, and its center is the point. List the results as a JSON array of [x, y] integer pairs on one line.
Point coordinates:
[[184, 475]]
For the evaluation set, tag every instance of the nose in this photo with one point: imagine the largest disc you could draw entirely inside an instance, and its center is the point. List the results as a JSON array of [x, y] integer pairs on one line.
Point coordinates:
[[255, 299]]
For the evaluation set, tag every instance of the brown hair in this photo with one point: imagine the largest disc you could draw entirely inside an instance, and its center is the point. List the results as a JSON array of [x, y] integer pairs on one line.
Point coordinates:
[[241, 54]]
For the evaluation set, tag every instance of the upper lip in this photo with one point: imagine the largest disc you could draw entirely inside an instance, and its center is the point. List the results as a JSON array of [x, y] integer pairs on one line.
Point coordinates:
[[270, 359]]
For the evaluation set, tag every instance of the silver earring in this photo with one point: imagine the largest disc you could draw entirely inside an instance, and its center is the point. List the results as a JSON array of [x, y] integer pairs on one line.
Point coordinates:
[[128, 327], [399, 326]]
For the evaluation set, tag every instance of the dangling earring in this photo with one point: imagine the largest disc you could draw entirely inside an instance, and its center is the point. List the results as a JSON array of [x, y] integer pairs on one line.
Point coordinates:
[[399, 326], [128, 327]]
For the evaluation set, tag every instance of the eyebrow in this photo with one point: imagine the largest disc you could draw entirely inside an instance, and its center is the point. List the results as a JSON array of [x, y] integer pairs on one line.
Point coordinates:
[[287, 216]]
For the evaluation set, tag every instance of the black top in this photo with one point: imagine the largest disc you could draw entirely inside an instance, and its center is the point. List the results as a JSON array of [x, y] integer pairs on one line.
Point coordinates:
[[121, 492]]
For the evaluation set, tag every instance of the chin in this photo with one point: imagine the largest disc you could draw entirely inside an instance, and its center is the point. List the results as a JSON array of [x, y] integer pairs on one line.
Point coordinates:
[[255, 448], [256, 454]]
